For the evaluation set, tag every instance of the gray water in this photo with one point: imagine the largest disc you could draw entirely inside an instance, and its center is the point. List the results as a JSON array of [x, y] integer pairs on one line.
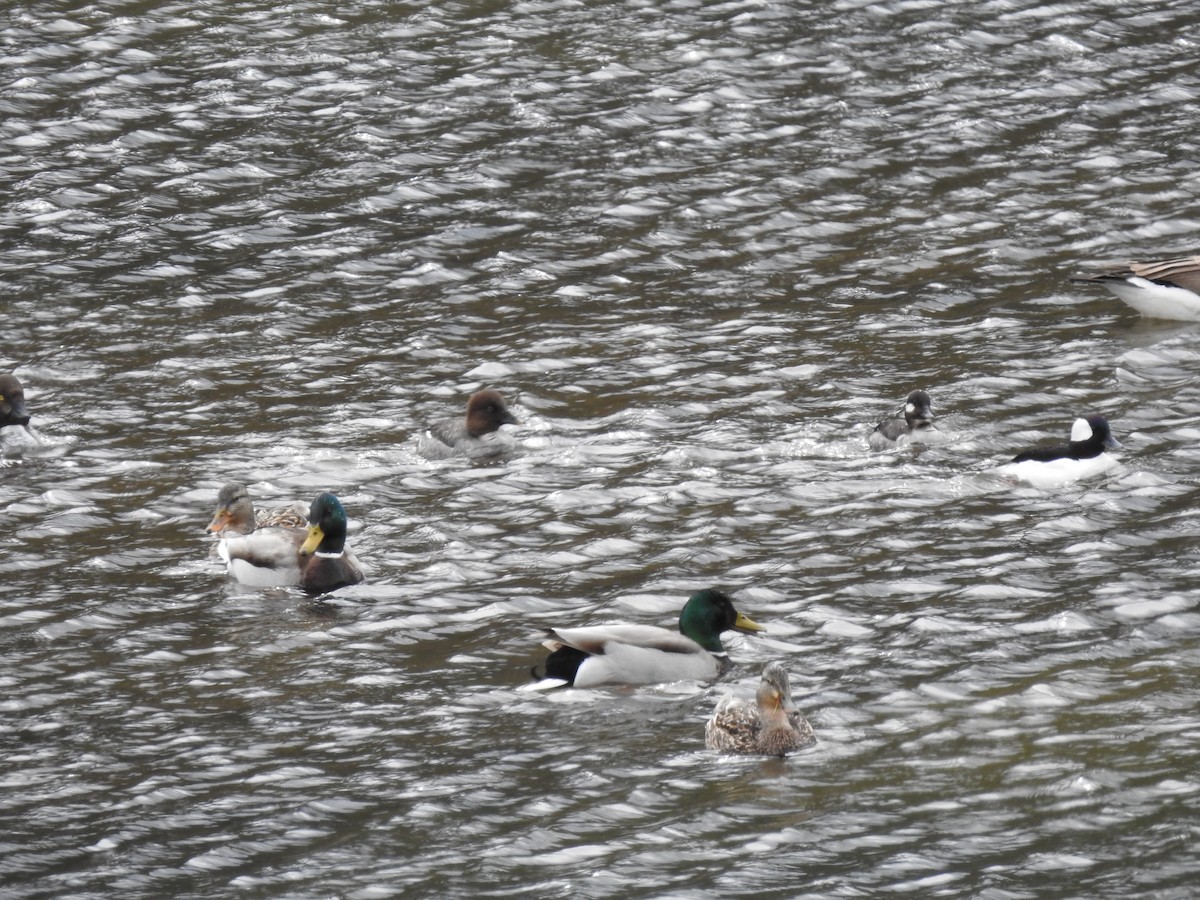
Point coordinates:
[[702, 247]]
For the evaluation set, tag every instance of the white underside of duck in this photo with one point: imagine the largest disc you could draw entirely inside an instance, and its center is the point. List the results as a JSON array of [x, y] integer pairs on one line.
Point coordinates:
[[1157, 301], [1059, 471], [624, 664], [637, 654], [280, 564]]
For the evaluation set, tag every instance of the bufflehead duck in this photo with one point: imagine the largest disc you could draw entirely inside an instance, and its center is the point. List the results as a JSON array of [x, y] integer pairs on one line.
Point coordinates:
[[770, 726], [1160, 289], [1083, 457], [645, 654], [916, 426], [486, 412], [12, 402]]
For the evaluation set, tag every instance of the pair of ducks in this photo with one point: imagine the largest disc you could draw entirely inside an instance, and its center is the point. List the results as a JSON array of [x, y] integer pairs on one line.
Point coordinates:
[[287, 546], [1161, 289], [294, 546], [1082, 457], [646, 654]]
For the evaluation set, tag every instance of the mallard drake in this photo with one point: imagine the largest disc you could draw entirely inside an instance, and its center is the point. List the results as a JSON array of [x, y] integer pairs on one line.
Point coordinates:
[[915, 427], [236, 513], [1083, 457], [1160, 288], [771, 726], [325, 561], [486, 412], [646, 654], [12, 402]]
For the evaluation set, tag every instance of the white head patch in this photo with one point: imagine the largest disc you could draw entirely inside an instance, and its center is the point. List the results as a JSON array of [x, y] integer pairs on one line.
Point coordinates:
[[1081, 430], [910, 408]]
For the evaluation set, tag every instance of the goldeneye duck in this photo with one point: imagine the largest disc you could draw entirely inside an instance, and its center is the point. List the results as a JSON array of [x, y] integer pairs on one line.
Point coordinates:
[[916, 426], [468, 436], [1160, 289], [1083, 457], [645, 654], [770, 726], [12, 402]]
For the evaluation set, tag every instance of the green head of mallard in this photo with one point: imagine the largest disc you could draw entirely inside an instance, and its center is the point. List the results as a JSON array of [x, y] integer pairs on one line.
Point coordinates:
[[708, 614], [326, 526]]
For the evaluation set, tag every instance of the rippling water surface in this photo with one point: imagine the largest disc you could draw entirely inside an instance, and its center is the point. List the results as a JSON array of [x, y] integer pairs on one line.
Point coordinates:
[[702, 247]]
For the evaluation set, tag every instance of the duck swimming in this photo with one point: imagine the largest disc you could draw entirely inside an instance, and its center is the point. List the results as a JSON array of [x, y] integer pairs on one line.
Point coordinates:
[[315, 558], [12, 402], [236, 513], [1160, 289], [1082, 457], [326, 564], [260, 549], [915, 427], [646, 654], [771, 726], [486, 412]]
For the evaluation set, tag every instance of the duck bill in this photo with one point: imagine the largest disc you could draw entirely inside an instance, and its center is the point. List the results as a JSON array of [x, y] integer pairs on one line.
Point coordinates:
[[745, 623], [220, 521], [1112, 443], [315, 536], [18, 413], [782, 710]]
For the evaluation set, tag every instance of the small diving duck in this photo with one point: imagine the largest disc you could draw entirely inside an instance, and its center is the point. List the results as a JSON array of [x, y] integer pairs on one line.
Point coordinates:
[[467, 436], [1159, 289], [646, 654], [915, 427], [326, 562], [1083, 457], [771, 726], [12, 402]]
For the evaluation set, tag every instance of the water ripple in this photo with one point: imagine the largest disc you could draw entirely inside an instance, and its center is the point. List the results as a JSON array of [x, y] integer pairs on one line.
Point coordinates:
[[702, 248]]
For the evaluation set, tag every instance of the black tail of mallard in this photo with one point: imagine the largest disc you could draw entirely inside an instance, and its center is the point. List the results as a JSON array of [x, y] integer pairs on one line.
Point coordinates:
[[561, 665]]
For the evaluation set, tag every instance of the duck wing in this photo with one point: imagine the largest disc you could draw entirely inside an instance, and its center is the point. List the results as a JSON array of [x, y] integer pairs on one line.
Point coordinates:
[[1183, 272], [294, 515], [598, 640], [449, 431], [266, 557], [734, 726]]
